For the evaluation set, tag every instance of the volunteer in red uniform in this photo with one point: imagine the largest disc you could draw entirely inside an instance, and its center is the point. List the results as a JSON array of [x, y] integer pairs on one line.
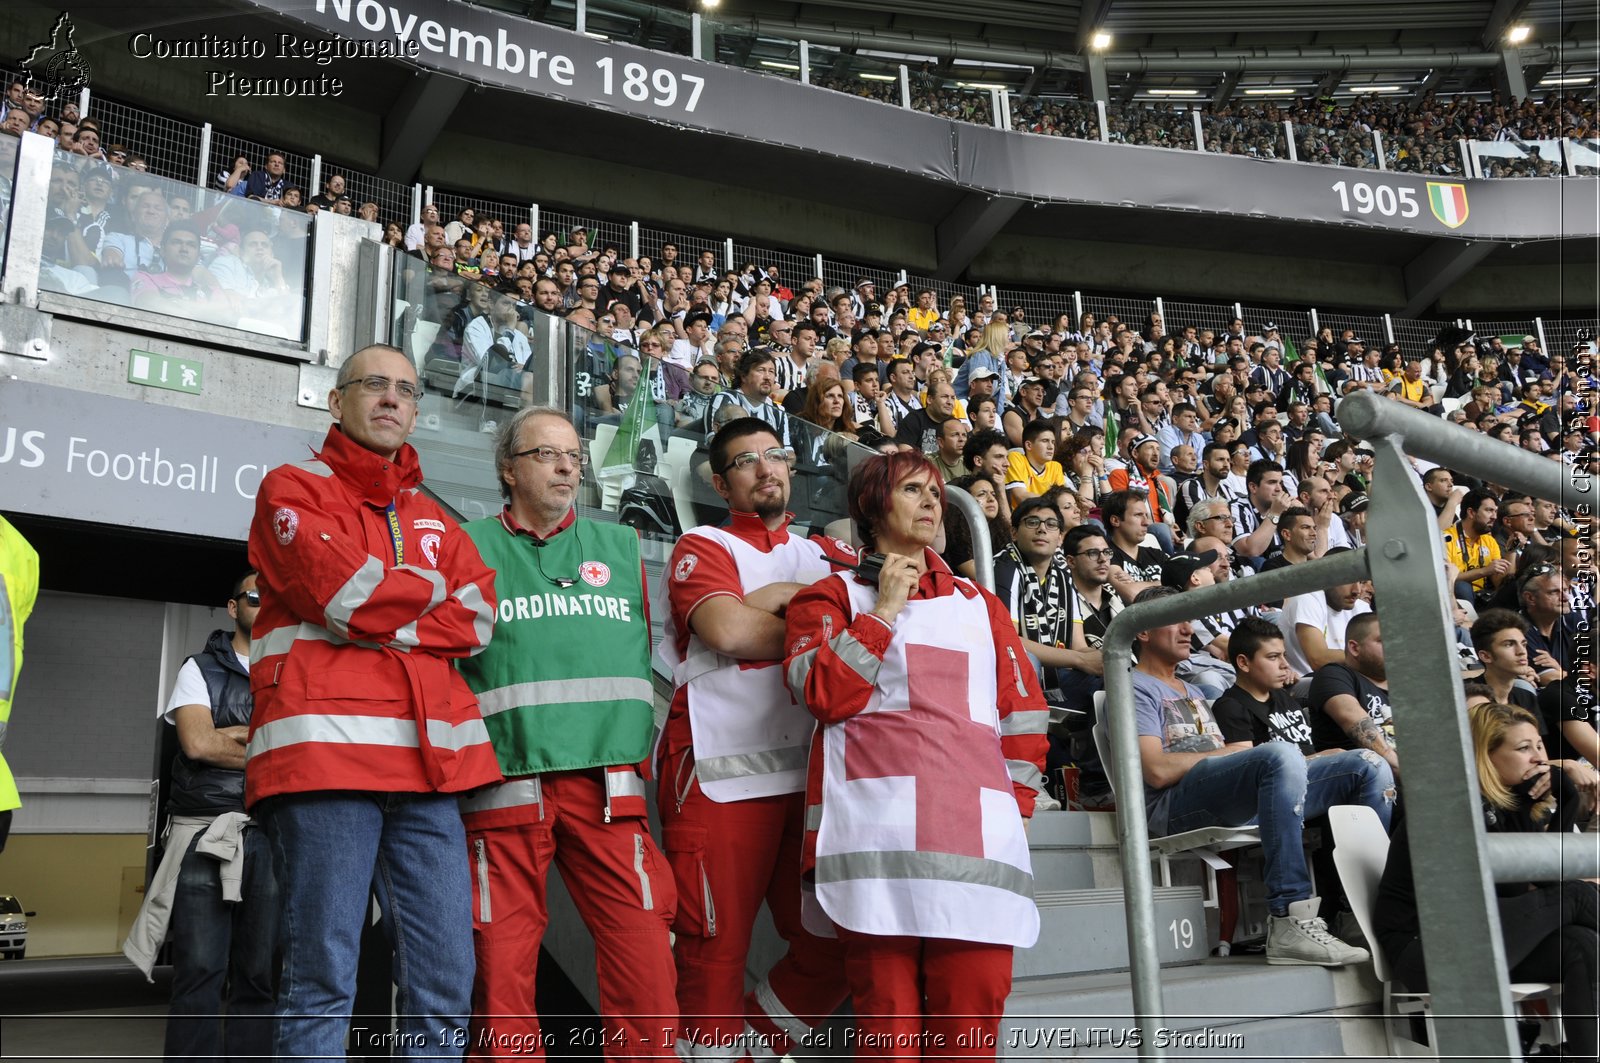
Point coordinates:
[[733, 757], [362, 732], [566, 694], [928, 760]]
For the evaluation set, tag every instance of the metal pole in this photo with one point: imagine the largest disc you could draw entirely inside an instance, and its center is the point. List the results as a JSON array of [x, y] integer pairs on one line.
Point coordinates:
[[1238, 311], [427, 196], [1077, 308], [1005, 107], [1541, 857], [819, 264], [35, 158], [416, 201], [202, 171], [1469, 157], [1105, 126], [583, 16], [905, 87], [1569, 160], [633, 240], [694, 35], [805, 62], [1538, 328], [1315, 326], [1388, 327], [1199, 130], [727, 252], [1133, 832], [1377, 147], [1288, 138], [83, 103], [1161, 312], [978, 527], [902, 279], [994, 108], [315, 182]]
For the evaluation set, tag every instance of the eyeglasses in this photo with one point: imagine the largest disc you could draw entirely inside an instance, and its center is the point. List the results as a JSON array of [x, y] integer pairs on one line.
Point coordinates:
[[251, 598], [749, 458], [1094, 555], [551, 455], [380, 385], [1035, 523], [1219, 516]]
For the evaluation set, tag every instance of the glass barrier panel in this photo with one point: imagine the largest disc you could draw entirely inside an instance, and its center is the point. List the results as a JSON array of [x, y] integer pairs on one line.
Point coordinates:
[[859, 75], [644, 423], [134, 239], [1336, 146], [9, 146], [1519, 158], [951, 101], [1055, 116], [1585, 155], [1244, 132], [1161, 125]]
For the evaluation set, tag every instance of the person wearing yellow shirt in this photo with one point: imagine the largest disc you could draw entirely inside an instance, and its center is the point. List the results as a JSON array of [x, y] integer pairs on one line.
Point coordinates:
[[1410, 387], [1471, 547], [1032, 470], [922, 316]]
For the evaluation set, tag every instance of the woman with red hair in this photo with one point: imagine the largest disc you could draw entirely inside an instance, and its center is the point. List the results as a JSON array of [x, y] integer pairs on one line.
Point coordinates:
[[926, 763]]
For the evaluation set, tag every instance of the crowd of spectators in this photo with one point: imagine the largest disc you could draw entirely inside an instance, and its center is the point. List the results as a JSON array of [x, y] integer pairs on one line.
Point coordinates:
[[1111, 460]]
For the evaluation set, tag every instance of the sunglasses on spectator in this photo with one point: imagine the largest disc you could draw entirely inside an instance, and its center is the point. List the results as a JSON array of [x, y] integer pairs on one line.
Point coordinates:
[[251, 598]]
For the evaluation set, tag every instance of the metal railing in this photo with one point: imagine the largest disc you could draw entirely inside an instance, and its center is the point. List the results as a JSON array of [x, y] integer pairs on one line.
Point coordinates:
[[1403, 560]]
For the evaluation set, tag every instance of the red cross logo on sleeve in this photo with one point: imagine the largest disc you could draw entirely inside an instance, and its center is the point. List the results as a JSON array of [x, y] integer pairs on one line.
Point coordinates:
[[949, 756]]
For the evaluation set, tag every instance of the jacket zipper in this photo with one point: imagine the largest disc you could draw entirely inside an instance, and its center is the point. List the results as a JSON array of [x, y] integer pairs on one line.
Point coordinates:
[[646, 897], [483, 879], [710, 905], [1016, 670]]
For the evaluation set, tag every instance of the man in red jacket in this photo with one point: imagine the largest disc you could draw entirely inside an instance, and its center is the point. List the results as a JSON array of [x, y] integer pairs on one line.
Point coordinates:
[[362, 732]]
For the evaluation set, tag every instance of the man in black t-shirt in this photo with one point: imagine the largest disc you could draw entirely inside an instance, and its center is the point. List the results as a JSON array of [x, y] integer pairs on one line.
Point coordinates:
[[1350, 699], [1126, 515]]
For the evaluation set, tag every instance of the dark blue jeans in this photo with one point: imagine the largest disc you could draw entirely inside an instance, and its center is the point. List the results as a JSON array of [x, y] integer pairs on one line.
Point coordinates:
[[332, 850], [222, 957], [1276, 787]]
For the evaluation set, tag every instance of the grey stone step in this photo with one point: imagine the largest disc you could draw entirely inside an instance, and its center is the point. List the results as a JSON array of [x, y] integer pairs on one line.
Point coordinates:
[[1086, 930]]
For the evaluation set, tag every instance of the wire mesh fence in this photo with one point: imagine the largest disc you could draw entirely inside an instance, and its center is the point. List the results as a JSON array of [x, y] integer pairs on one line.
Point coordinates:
[[1416, 336], [1180, 313], [846, 275], [1293, 325], [393, 198], [654, 242], [1367, 328], [602, 232], [225, 147], [793, 268], [1133, 312], [170, 148], [945, 290]]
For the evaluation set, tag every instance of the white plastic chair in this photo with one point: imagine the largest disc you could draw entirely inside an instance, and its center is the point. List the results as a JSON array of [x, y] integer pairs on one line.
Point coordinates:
[[1360, 851]]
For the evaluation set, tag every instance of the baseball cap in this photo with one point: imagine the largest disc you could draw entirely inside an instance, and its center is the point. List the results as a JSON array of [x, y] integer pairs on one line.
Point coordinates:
[[618, 267], [1037, 334], [937, 326], [1223, 422], [1255, 385], [1269, 327], [1354, 502], [983, 372], [1176, 570], [866, 282], [1030, 380]]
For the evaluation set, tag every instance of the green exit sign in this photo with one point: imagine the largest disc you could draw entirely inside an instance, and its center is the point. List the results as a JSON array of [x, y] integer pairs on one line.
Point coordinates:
[[164, 371]]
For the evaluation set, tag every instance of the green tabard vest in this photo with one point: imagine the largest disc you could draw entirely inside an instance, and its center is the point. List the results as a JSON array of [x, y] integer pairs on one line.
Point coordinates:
[[565, 681]]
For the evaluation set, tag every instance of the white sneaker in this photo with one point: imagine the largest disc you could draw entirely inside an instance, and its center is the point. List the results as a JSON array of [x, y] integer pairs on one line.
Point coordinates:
[[1301, 937]]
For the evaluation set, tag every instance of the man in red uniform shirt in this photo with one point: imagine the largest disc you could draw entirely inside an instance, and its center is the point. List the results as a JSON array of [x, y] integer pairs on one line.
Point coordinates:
[[362, 732], [733, 758]]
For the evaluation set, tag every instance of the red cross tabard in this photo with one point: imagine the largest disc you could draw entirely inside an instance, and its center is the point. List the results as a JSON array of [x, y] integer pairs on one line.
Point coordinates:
[[935, 742]]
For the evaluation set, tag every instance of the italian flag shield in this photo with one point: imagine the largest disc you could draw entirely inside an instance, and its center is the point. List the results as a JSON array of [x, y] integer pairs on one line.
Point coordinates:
[[1449, 202]]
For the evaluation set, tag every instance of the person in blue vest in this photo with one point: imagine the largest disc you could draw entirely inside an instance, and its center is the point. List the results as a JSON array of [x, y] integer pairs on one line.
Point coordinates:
[[214, 894]]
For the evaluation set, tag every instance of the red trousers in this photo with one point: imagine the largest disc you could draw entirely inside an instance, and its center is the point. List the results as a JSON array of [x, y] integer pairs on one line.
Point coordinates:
[[623, 890], [926, 998], [728, 859]]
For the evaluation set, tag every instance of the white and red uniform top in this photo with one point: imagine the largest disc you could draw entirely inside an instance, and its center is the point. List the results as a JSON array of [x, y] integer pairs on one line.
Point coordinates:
[[750, 739], [929, 757]]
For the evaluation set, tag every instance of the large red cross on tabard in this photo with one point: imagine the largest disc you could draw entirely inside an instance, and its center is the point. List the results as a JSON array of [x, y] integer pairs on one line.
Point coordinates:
[[949, 756]]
